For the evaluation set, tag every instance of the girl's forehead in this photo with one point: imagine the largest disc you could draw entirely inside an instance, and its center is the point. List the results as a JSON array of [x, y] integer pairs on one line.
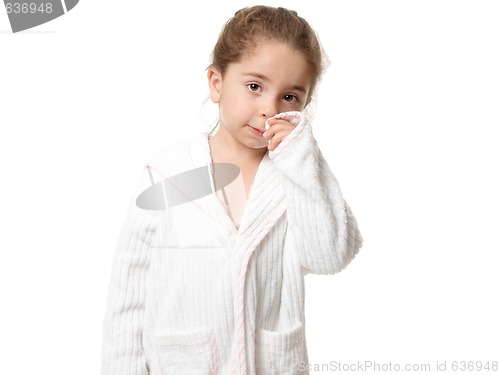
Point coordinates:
[[275, 60]]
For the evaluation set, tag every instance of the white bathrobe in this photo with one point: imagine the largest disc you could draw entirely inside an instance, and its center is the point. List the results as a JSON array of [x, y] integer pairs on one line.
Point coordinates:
[[191, 294]]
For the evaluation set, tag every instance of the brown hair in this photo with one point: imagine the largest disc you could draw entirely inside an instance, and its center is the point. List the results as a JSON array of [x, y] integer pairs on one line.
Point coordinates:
[[249, 26]]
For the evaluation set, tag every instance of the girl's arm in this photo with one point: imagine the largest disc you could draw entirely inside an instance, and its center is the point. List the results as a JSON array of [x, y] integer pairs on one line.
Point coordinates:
[[122, 352], [324, 231]]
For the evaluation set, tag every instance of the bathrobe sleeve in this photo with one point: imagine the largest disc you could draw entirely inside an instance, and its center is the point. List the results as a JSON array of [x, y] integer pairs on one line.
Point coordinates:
[[122, 351], [323, 228]]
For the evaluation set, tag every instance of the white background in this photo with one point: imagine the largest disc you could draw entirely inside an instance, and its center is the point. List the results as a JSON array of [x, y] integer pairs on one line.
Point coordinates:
[[407, 116]]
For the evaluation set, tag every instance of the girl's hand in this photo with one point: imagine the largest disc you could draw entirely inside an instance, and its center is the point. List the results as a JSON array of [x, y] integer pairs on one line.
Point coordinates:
[[277, 132]]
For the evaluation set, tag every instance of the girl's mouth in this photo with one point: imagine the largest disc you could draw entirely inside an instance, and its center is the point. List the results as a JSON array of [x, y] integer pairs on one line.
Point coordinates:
[[256, 131]]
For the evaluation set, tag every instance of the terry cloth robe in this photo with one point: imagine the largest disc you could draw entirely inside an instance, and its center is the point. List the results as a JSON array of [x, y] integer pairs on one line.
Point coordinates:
[[190, 294]]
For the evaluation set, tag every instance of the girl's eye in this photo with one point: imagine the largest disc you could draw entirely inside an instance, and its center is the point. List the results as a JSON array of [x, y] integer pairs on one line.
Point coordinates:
[[290, 98], [253, 87]]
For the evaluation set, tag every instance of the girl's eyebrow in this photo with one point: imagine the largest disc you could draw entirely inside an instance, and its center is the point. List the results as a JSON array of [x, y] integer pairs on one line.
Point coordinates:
[[264, 78], [258, 75]]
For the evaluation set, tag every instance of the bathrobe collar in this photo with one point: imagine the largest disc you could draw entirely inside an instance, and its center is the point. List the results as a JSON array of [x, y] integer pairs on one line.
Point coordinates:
[[266, 201]]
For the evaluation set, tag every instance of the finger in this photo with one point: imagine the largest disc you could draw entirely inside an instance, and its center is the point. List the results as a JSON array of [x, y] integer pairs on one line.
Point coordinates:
[[278, 138], [269, 133], [275, 121]]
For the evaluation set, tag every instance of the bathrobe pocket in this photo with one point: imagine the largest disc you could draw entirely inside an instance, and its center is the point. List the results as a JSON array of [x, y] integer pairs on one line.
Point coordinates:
[[192, 352], [280, 352]]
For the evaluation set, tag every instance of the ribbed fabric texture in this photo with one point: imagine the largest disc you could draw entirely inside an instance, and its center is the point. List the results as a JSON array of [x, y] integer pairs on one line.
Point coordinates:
[[190, 294], [329, 238], [122, 350]]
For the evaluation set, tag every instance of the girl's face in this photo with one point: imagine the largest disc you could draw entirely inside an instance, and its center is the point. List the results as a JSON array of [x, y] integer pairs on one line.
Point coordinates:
[[272, 79]]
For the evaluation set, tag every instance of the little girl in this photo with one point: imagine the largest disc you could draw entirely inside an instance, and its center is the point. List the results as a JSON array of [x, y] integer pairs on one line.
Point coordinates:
[[208, 274]]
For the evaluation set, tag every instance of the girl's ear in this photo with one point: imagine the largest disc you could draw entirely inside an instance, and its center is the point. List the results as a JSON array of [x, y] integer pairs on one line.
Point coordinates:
[[214, 83]]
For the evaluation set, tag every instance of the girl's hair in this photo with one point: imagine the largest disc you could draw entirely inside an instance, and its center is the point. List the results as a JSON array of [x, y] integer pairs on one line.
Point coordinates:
[[250, 26]]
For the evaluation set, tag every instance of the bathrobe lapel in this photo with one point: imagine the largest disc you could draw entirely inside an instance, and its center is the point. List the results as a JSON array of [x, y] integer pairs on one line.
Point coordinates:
[[266, 201], [265, 204]]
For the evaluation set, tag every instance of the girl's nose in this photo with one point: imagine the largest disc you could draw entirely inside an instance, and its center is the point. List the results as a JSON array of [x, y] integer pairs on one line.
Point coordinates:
[[269, 111]]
